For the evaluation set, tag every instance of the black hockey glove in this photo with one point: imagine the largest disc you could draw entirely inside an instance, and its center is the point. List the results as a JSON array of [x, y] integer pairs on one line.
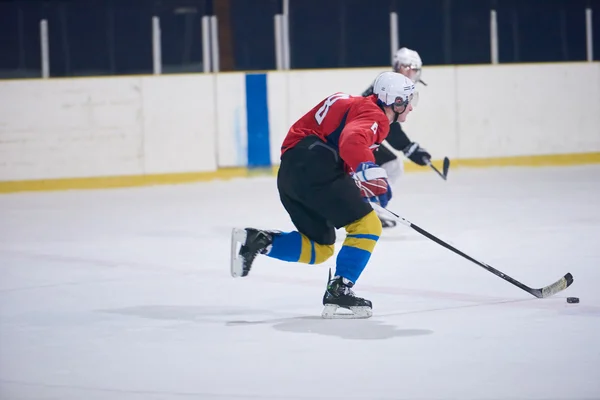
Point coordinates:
[[417, 154]]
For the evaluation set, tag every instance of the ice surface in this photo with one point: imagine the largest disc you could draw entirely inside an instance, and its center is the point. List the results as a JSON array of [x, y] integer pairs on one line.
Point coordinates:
[[126, 294]]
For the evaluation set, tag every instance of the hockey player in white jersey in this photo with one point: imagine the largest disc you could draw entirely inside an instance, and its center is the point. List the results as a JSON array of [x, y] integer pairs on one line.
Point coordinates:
[[408, 63]]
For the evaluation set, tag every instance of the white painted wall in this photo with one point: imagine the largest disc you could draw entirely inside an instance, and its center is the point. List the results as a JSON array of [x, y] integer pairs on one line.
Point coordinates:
[[179, 124], [232, 130], [185, 123], [78, 127], [278, 93], [518, 110], [89, 127]]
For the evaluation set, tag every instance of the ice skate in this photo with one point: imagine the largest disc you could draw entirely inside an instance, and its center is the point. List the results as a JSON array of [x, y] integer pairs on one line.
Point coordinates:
[[340, 295], [246, 244]]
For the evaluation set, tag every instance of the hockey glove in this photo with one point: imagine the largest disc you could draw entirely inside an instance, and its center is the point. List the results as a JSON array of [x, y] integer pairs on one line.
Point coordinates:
[[417, 154], [373, 184]]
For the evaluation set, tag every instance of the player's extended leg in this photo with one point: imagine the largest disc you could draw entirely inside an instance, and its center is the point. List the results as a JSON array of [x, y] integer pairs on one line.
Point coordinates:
[[313, 242], [293, 246]]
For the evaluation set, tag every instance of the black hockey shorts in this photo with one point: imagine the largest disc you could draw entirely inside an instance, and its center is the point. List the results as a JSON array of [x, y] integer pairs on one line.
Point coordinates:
[[316, 192], [383, 155]]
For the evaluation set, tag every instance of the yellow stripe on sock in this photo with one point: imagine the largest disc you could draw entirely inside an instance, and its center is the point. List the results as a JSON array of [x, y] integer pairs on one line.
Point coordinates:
[[315, 252], [359, 243], [306, 252]]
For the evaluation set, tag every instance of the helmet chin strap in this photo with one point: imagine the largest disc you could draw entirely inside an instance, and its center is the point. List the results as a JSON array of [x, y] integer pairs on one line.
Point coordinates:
[[396, 113]]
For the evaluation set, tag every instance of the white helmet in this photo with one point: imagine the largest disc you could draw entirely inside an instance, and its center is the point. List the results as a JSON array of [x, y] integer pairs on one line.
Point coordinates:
[[392, 88], [409, 59]]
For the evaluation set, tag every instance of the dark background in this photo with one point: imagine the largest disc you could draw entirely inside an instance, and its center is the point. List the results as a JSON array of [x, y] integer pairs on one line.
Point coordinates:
[[114, 37]]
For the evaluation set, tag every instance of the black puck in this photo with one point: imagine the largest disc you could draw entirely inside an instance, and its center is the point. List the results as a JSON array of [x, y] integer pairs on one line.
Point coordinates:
[[572, 299]]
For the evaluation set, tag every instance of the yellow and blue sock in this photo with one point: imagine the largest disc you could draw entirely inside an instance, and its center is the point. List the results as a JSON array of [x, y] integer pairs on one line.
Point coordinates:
[[361, 238], [296, 247]]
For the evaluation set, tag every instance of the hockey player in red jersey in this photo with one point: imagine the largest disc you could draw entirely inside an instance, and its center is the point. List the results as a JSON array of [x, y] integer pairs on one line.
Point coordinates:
[[326, 180]]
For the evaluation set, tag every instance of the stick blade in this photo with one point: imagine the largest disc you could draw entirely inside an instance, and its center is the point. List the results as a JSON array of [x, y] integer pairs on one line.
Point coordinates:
[[446, 166], [556, 287]]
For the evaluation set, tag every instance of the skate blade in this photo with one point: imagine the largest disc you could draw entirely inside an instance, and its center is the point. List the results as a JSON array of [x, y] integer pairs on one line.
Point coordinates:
[[238, 238], [330, 311]]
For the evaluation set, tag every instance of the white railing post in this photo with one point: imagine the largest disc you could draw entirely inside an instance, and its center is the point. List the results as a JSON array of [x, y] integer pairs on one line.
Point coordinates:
[[214, 43], [286, 34], [494, 37], [589, 34], [206, 62], [156, 47], [286, 7], [278, 22], [45, 49], [393, 34], [285, 29]]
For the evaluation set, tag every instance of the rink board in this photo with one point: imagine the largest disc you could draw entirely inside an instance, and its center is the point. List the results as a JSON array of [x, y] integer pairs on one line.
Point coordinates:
[[103, 132]]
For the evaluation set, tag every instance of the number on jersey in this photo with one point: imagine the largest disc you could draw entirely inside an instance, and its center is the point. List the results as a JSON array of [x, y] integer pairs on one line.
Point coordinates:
[[322, 112]]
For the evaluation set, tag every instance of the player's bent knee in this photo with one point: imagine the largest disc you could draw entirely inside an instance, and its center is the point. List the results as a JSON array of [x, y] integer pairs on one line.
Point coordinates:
[[313, 252], [364, 233]]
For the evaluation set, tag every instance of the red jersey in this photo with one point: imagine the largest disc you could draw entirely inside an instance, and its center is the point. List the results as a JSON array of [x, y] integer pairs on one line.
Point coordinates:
[[353, 125]]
